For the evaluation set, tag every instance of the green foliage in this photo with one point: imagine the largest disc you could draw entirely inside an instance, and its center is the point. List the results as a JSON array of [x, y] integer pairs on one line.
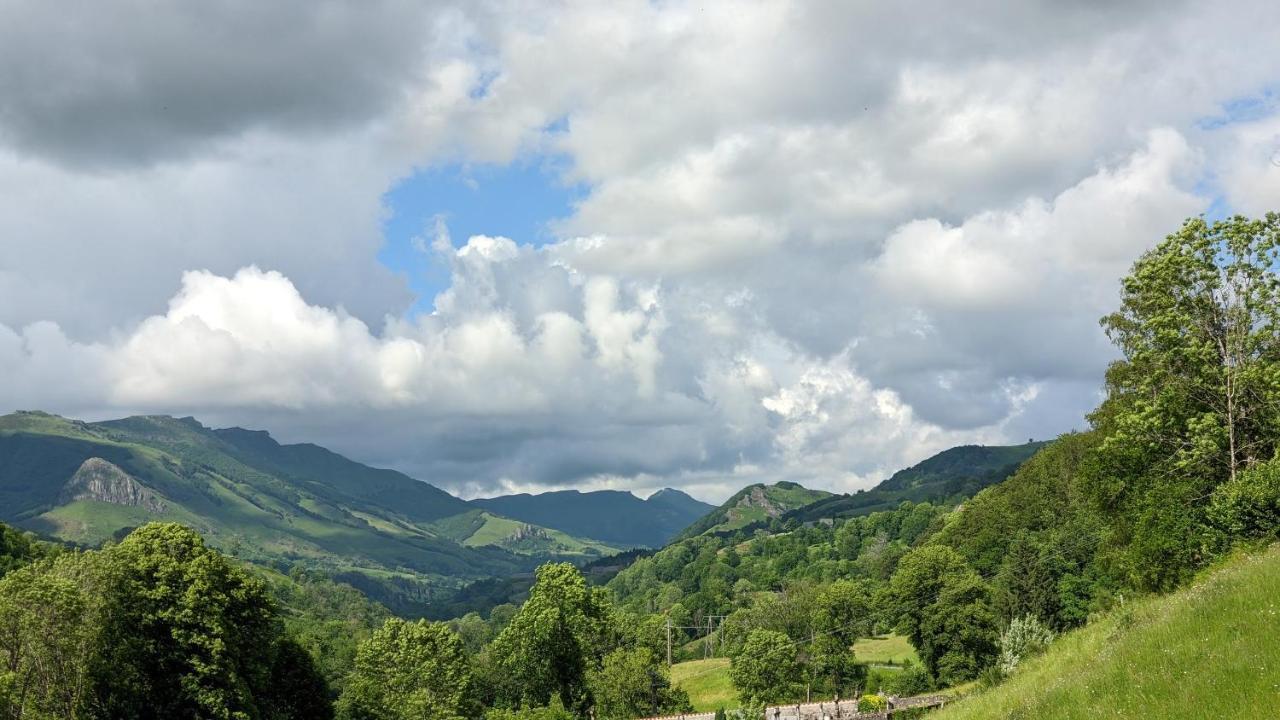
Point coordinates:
[[1207, 651], [158, 626], [1248, 506], [1025, 637], [554, 712], [327, 619], [1195, 400], [631, 683], [184, 631], [944, 608], [766, 670], [16, 549], [717, 574], [913, 680], [1036, 537], [843, 612], [563, 629], [409, 670], [47, 620]]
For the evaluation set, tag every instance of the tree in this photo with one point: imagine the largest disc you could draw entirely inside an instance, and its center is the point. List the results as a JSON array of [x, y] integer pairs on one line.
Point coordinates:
[[409, 670], [562, 630], [1027, 582], [185, 633], [632, 682], [766, 670], [944, 609], [297, 689], [842, 614], [1195, 399], [16, 549], [46, 640]]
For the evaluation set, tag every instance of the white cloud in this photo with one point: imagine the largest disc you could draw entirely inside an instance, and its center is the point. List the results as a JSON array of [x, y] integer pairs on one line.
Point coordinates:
[[817, 241]]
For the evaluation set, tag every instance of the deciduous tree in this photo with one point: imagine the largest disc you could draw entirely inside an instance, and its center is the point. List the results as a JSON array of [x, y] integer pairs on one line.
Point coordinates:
[[409, 670]]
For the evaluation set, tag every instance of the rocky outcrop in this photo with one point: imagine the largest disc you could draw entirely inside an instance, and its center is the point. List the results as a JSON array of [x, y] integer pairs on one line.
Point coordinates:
[[97, 479], [758, 498]]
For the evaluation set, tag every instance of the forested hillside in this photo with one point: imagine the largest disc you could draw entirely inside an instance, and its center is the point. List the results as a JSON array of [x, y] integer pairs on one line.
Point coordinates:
[[945, 479], [403, 541]]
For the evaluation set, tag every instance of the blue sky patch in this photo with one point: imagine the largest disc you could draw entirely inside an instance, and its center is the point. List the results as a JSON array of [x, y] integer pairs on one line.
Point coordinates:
[[517, 201]]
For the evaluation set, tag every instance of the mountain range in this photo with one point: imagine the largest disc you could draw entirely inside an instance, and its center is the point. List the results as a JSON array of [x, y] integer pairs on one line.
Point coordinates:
[[402, 541], [610, 516]]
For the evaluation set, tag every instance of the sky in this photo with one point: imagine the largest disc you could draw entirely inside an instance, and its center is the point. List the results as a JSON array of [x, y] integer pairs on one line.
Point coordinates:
[[507, 246]]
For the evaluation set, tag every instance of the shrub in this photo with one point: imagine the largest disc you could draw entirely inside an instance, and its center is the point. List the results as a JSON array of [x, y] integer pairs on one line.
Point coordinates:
[[913, 680], [872, 703], [1249, 505], [1024, 637]]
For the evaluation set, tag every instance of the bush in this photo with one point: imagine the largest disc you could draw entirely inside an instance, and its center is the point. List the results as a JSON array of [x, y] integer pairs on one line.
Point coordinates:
[[1249, 505], [872, 703], [913, 680], [555, 712], [1024, 637]]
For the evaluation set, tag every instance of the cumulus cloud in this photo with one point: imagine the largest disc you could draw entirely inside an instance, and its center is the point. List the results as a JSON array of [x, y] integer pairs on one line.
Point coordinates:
[[816, 241]]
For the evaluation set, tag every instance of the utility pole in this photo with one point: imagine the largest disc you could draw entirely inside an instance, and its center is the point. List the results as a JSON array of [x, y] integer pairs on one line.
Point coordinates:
[[668, 641]]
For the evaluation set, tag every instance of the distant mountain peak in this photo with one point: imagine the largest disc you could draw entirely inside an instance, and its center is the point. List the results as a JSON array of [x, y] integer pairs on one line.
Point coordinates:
[[618, 517]]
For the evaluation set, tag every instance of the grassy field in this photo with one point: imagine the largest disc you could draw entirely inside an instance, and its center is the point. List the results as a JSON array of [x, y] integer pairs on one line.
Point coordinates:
[[885, 650], [1210, 651], [707, 682]]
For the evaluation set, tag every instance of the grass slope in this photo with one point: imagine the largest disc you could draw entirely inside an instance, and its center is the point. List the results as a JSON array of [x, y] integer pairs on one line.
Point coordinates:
[[507, 533], [707, 682], [1209, 651], [885, 650]]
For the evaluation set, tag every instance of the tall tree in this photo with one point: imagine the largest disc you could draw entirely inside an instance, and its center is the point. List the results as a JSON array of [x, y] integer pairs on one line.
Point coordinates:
[[563, 629], [47, 619], [630, 683], [186, 633], [766, 670], [843, 613], [1195, 398], [409, 670], [944, 608]]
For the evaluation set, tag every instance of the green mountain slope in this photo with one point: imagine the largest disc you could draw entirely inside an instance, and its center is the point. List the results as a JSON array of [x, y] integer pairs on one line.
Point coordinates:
[[403, 541], [1211, 650], [610, 516], [946, 478], [755, 504]]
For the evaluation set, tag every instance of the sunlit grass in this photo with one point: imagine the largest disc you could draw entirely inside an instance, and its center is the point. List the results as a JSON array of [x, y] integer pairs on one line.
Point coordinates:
[[1210, 651], [884, 650], [707, 682]]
